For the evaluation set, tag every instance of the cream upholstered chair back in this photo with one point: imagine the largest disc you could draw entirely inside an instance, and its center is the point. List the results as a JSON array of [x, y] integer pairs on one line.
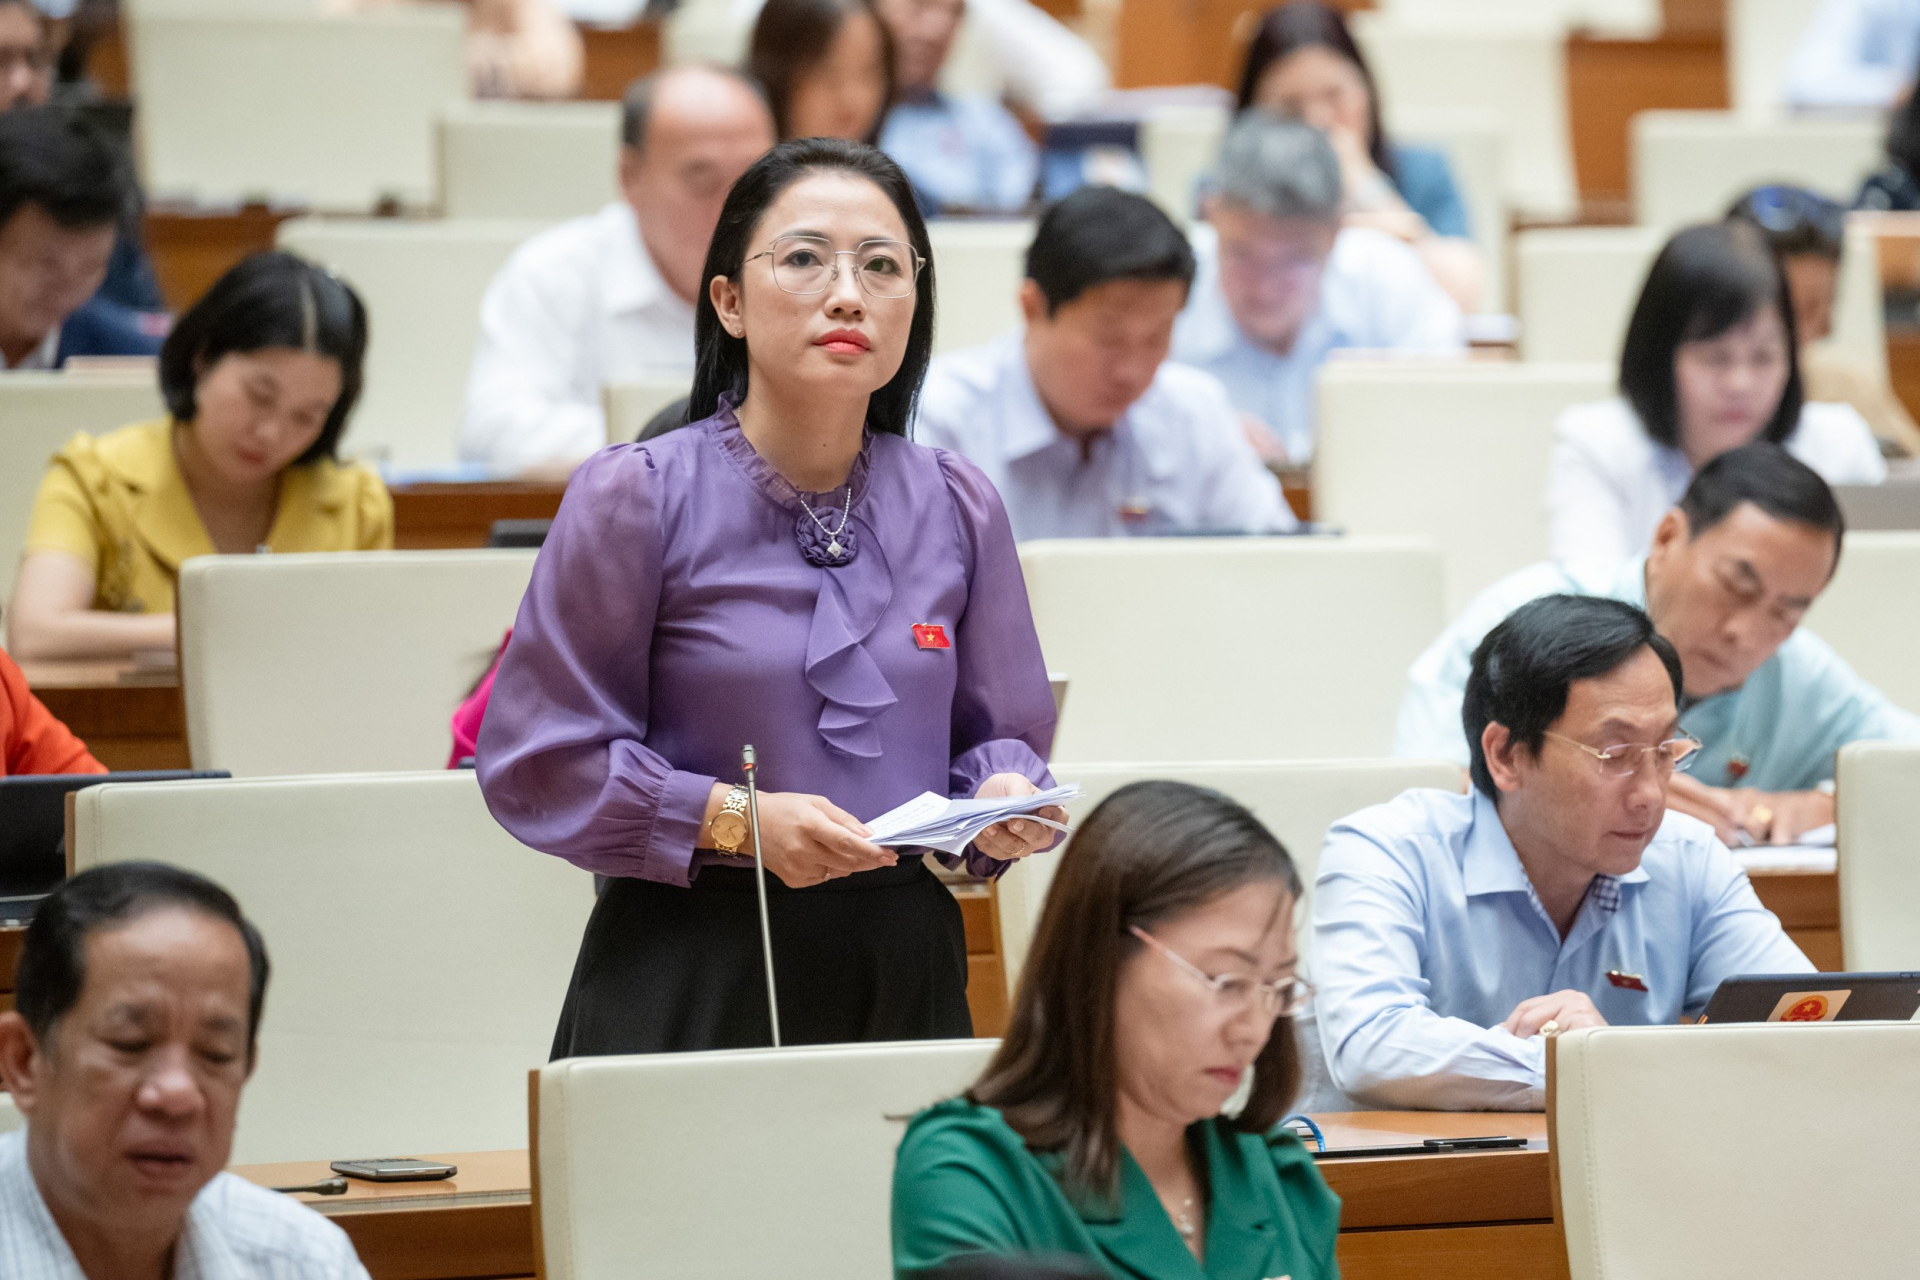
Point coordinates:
[[1513, 64], [1740, 1150], [39, 413], [1451, 451], [979, 265], [1218, 648], [1872, 607], [328, 111], [1296, 799], [1859, 304], [420, 953], [645, 1165], [1575, 288], [1878, 798], [330, 663], [1178, 145], [1689, 166], [422, 283], [631, 405], [1474, 143], [10, 1117], [530, 160], [1761, 35]]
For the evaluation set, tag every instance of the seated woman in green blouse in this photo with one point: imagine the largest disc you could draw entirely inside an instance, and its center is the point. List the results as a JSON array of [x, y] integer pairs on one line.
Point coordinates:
[[1161, 974]]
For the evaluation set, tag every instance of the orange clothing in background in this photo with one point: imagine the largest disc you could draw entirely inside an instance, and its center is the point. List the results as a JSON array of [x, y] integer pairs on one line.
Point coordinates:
[[31, 740]]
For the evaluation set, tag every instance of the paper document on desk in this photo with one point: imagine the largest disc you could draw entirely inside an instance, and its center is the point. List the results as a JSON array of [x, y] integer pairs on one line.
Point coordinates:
[[935, 822], [1788, 857]]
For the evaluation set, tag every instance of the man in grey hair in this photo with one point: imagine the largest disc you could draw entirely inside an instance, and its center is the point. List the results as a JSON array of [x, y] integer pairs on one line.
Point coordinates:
[[1282, 284], [609, 297]]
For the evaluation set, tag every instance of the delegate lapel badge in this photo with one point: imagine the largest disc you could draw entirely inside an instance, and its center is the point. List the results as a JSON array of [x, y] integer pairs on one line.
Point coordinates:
[[931, 635], [1626, 981], [1737, 767]]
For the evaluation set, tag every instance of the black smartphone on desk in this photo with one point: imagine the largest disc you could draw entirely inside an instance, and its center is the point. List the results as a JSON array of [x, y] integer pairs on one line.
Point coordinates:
[[394, 1169]]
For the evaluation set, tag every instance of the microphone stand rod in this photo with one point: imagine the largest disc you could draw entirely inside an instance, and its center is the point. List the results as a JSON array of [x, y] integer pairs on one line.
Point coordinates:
[[749, 765]]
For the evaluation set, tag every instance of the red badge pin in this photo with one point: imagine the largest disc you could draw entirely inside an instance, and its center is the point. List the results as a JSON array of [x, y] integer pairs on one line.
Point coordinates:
[[1626, 981], [931, 635], [1737, 767]]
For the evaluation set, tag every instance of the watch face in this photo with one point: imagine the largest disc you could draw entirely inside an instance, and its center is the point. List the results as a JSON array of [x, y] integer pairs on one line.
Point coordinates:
[[729, 830]]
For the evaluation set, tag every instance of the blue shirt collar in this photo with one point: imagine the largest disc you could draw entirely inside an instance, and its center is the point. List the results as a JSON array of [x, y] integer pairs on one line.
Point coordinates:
[[1030, 427], [1490, 864]]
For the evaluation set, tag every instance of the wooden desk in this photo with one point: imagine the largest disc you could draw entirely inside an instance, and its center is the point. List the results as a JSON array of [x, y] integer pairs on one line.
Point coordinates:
[[11, 936], [1483, 1214], [432, 517], [129, 718], [614, 57], [1808, 904], [191, 248], [986, 972], [1609, 81]]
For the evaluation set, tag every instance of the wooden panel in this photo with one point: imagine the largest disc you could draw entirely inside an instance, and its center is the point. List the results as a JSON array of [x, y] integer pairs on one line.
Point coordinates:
[[1822, 946], [1802, 900], [1164, 42], [987, 995], [430, 1244], [1516, 1251], [1609, 81], [1903, 366], [127, 719], [10, 939], [616, 57], [192, 248], [1479, 1187], [433, 517]]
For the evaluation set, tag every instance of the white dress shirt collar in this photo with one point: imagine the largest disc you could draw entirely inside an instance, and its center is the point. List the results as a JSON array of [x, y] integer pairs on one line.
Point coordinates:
[[633, 282], [1030, 426]]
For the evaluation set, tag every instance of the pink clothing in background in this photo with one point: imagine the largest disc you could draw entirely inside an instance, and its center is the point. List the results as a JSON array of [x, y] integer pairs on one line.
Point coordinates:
[[466, 720]]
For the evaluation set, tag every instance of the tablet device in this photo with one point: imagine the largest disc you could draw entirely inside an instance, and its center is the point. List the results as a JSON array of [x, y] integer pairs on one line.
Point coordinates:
[[33, 823], [1815, 997]]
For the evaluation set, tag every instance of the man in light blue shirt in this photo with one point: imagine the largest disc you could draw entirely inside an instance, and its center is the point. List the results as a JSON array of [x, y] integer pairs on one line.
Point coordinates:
[[963, 151], [1280, 286], [1855, 53], [1453, 933], [1731, 571], [1079, 420]]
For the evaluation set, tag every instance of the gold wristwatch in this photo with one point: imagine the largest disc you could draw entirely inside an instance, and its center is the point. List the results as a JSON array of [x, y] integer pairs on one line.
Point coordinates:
[[730, 824]]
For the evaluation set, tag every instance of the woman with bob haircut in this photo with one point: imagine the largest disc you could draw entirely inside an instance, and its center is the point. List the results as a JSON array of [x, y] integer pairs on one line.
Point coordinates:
[[1710, 363], [1302, 62], [826, 67], [789, 571], [1161, 975], [259, 377]]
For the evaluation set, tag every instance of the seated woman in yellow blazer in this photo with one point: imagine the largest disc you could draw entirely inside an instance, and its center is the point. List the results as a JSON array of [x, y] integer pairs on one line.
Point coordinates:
[[259, 377], [1161, 975]]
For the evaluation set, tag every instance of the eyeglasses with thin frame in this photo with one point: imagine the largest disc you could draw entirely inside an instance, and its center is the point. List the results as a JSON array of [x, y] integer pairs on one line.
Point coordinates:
[[1238, 992], [808, 264], [1624, 760]]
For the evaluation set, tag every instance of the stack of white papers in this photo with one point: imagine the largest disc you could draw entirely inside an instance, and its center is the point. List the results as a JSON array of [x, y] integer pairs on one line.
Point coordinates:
[[933, 821]]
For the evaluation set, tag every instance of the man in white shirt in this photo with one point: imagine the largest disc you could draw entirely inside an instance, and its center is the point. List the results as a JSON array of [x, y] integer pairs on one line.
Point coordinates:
[[138, 1005], [609, 298], [1080, 421], [1281, 286], [1855, 53]]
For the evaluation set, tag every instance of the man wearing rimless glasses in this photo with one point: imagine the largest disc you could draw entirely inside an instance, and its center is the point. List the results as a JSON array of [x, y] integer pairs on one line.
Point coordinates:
[[1452, 933]]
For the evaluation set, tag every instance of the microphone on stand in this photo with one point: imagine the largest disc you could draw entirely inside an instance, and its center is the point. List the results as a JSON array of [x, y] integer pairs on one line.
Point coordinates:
[[750, 767]]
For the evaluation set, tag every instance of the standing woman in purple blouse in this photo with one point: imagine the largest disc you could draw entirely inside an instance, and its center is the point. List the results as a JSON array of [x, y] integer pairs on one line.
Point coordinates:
[[791, 571]]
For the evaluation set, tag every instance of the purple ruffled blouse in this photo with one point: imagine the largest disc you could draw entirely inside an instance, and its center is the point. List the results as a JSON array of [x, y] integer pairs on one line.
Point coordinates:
[[674, 615]]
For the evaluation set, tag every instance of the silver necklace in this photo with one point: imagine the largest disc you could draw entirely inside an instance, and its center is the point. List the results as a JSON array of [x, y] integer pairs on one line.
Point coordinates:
[[834, 549], [1183, 1218]]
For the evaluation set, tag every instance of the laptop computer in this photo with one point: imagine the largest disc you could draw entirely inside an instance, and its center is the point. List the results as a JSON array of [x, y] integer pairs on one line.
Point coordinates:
[[1815, 997], [33, 827]]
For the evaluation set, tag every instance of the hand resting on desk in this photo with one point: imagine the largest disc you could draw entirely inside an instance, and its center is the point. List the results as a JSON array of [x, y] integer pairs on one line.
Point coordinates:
[[1766, 817]]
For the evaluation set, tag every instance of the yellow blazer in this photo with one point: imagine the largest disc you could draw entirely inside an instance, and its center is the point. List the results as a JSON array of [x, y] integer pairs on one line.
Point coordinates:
[[119, 502]]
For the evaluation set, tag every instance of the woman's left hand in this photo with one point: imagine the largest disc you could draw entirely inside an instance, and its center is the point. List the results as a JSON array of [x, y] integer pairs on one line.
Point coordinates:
[[1016, 837]]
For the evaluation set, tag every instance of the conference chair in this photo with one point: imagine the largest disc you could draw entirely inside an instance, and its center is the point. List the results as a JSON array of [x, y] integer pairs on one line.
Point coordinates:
[[422, 283], [1688, 166], [1761, 35], [337, 662], [1231, 648], [1455, 452], [1178, 146], [979, 264], [1877, 793], [331, 112], [528, 160], [1859, 305], [1473, 140], [1575, 288], [1739, 1150], [39, 413], [630, 406], [714, 1166], [1513, 64], [419, 952], [1297, 800], [1870, 612]]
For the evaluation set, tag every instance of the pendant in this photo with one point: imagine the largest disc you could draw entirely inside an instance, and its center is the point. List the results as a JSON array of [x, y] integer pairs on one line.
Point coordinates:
[[833, 549]]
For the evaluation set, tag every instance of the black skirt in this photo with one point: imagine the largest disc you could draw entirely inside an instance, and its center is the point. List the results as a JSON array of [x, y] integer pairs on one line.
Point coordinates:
[[881, 955]]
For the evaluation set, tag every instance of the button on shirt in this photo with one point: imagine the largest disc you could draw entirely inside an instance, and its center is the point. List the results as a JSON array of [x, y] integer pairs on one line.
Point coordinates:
[[1427, 934], [963, 151], [233, 1231], [1374, 293], [577, 307], [1176, 461], [1787, 721]]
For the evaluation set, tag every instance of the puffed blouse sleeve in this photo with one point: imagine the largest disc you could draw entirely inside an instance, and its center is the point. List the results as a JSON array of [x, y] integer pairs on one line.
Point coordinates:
[[1003, 714], [560, 756]]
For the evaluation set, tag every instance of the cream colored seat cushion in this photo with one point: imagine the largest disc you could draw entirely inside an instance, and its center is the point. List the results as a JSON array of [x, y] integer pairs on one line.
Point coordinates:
[[1689, 166], [1878, 798], [718, 1166], [1575, 288], [1870, 612], [978, 267], [545, 161], [420, 953]]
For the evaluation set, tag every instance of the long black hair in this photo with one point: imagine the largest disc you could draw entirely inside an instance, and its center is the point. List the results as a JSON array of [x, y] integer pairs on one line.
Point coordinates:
[[1305, 24], [720, 359]]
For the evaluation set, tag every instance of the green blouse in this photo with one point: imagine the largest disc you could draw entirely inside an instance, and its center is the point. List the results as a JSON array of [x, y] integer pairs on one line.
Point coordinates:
[[964, 1182]]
